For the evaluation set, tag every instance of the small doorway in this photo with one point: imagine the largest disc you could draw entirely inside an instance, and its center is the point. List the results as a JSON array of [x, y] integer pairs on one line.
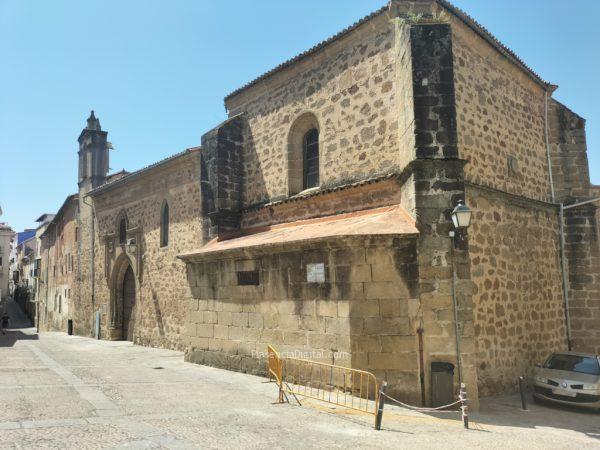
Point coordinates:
[[128, 304]]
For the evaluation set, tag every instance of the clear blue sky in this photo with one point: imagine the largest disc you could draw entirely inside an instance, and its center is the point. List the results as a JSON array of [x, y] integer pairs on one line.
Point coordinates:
[[156, 73]]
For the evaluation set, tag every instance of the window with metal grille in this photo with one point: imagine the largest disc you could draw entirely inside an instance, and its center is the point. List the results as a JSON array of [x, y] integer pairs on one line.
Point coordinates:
[[248, 278], [310, 153]]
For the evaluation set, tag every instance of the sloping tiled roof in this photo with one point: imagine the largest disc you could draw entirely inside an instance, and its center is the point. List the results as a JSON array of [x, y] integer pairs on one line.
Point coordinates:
[[129, 176], [384, 221], [457, 12]]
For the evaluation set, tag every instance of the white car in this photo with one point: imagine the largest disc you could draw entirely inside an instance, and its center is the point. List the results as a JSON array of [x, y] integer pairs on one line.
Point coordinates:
[[569, 378]]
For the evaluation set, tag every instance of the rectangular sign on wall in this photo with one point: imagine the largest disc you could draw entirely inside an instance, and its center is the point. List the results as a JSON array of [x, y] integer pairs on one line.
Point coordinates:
[[315, 273]]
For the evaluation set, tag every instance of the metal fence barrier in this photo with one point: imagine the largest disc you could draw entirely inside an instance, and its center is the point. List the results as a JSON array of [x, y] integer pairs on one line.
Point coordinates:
[[350, 388]]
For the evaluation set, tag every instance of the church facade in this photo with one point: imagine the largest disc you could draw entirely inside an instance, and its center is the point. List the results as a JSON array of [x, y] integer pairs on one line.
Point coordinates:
[[317, 216]]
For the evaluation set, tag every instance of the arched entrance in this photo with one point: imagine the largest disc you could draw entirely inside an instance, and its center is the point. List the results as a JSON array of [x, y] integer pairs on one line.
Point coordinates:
[[128, 296]]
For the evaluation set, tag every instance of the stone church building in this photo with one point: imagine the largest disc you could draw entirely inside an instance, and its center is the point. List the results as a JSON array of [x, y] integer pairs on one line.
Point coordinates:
[[317, 216]]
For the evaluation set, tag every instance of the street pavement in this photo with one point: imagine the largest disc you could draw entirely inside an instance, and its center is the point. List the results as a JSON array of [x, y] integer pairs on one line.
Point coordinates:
[[59, 391]]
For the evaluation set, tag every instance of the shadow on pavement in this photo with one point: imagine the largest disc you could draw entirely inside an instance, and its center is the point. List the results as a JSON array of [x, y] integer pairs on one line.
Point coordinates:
[[506, 412], [18, 323], [12, 336]]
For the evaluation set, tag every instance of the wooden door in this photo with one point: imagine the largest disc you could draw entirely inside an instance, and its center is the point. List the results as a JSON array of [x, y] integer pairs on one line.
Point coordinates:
[[128, 305]]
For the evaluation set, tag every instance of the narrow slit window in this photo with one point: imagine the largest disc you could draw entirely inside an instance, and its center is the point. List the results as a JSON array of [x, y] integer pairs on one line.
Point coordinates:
[[311, 159], [122, 231], [164, 226]]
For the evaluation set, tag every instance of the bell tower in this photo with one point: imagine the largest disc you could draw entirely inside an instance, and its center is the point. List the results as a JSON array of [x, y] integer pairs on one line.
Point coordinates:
[[93, 155]]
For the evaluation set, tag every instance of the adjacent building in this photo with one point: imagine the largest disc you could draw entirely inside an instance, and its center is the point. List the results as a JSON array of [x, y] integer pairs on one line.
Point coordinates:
[[6, 240], [317, 216], [58, 267]]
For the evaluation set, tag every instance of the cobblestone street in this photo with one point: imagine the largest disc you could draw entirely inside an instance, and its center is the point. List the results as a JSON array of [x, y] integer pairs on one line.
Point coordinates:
[[60, 391]]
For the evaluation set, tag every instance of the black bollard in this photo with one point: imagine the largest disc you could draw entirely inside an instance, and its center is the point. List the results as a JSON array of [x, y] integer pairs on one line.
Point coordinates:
[[380, 405], [522, 390]]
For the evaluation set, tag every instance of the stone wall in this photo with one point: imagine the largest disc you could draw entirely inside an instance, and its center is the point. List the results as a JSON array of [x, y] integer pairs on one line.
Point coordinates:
[[162, 290], [500, 117], [582, 245], [351, 89], [363, 315], [518, 304]]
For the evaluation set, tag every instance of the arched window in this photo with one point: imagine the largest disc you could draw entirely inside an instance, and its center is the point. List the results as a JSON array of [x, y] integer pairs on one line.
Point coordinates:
[[164, 225], [303, 154], [310, 157], [123, 231]]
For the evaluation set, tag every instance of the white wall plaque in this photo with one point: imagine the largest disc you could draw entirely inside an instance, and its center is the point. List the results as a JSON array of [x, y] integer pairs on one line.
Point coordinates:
[[315, 273]]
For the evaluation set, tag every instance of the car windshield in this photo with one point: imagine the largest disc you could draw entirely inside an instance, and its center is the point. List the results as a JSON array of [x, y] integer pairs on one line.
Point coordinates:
[[574, 363]]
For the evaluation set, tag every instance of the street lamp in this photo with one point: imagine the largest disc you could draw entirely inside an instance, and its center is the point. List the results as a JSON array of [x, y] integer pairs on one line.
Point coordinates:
[[461, 215], [461, 218]]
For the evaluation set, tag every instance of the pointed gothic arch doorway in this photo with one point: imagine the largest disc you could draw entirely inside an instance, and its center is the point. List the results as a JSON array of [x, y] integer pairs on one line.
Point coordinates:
[[128, 294]]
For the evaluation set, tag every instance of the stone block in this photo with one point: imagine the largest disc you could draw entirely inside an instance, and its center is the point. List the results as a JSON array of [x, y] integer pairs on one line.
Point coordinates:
[[196, 316], [321, 341], [312, 323], [294, 338], [210, 317], [352, 273], [365, 343], [383, 326], [273, 337], [236, 333], [204, 330], [289, 322], [394, 344], [224, 318], [190, 329], [221, 332], [199, 343], [377, 290], [364, 308], [327, 308], [239, 319], [337, 325], [255, 320], [252, 334], [393, 361]]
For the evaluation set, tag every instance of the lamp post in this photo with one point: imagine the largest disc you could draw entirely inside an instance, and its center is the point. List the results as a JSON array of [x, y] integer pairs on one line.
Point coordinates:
[[461, 218]]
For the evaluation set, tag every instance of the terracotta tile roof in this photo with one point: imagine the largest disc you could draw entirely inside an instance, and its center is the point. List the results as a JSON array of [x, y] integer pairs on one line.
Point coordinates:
[[129, 176], [457, 12], [385, 221]]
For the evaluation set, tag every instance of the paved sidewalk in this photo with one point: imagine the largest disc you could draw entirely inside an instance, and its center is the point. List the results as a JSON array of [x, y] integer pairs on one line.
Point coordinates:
[[60, 391]]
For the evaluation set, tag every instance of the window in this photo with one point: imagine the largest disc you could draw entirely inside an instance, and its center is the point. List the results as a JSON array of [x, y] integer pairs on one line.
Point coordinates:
[[123, 231], [303, 154], [164, 225], [310, 154], [248, 278]]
